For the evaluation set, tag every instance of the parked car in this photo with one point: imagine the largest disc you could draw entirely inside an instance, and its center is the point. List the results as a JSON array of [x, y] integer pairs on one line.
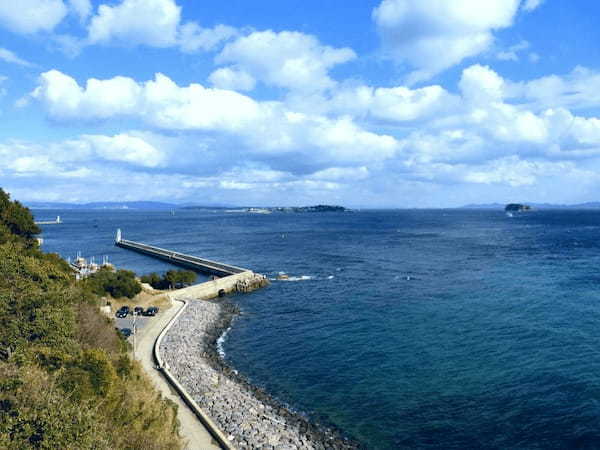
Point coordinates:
[[125, 332], [122, 312], [151, 311], [138, 310]]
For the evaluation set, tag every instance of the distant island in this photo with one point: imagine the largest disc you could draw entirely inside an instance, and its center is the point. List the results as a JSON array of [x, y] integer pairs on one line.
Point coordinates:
[[310, 209], [588, 205], [290, 209], [517, 207]]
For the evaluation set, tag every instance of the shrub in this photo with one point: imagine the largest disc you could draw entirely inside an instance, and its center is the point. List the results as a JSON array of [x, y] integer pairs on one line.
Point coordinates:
[[121, 283], [171, 279]]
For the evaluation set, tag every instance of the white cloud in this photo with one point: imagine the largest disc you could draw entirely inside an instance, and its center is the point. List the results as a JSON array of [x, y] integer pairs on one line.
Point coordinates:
[[127, 148], [488, 135], [262, 127], [512, 52], [99, 100], [578, 89], [287, 59], [516, 172], [227, 78], [150, 22], [31, 16], [401, 103], [530, 5], [481, 85], [435, 35], [154, 23], [10, 57], [192, 37], [342, 173], [83, 8]]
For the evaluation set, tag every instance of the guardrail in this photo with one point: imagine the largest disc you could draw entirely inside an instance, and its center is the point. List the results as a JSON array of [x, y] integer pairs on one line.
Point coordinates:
[[208, 423]]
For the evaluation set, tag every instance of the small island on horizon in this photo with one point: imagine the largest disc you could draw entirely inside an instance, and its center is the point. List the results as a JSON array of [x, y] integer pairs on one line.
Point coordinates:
[[517, 207]]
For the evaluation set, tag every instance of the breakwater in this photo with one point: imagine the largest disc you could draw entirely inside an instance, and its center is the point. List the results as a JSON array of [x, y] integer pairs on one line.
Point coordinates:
[[226, 278], [181, 259], [49, 222]]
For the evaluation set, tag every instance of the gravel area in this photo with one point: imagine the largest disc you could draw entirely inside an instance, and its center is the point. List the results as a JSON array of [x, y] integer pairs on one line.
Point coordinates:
[[247, 415]]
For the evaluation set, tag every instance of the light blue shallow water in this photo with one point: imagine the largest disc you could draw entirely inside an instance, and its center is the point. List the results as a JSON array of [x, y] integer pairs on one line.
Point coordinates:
[[492, 342]]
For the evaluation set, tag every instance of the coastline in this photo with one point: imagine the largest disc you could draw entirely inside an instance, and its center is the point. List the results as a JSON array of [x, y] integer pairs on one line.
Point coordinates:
[[249, 416]]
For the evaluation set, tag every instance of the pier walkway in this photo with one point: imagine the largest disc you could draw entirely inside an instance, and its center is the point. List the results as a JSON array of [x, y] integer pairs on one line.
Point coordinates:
[[49, 222], [192, 262]]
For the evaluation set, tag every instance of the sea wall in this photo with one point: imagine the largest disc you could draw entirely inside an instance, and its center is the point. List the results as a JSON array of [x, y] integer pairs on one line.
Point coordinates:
[[208, 423]]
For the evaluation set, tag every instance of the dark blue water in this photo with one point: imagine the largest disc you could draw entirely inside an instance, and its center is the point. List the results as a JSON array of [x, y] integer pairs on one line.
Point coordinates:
[[417, 329]]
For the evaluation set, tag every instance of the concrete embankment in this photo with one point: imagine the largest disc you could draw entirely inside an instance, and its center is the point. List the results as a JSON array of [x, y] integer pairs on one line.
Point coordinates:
[[241, 282]]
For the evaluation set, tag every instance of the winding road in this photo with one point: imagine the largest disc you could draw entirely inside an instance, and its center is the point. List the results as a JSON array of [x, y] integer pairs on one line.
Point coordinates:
[[191, 429]]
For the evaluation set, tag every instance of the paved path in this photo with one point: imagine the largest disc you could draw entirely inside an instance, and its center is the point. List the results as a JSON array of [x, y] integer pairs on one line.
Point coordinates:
[[192, 430]]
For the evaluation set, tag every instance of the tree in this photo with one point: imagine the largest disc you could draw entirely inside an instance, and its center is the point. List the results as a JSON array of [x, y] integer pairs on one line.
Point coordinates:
[[153, 279], [171, 279], [17, 219], [121, 283]]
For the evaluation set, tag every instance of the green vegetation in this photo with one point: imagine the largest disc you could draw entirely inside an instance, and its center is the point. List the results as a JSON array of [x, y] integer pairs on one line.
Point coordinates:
[[121, 283], [66, 380], [171, 279]]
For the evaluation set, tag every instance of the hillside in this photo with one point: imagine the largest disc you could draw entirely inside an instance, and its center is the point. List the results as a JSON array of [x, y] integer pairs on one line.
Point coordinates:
[[66, 380]]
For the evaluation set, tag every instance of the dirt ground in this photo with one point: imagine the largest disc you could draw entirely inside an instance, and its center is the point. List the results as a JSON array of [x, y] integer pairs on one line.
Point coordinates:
[[148, 297]]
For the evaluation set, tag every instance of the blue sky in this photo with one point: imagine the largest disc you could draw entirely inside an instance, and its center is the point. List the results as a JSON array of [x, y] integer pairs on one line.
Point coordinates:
[[383, 103]]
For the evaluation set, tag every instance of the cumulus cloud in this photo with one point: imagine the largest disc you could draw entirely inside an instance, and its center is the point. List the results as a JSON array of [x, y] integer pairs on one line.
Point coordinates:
[[263, 127], [32, 16], [435, 35], [516, 172], [82, 8], [236, 80], [127, 148], [150, 22], [133, 148], [287, 59], [487, 134], [579, 89], [192, 37], [154, 23], [396, 104]]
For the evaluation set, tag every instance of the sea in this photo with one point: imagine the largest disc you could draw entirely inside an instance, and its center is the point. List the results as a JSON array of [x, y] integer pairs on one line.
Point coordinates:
[[416, 329]]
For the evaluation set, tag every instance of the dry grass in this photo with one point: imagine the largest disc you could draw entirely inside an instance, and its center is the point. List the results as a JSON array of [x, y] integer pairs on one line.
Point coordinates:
[[143, 299]]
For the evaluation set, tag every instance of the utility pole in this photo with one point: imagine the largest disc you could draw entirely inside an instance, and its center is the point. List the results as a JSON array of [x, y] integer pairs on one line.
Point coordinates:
[[134, 333]]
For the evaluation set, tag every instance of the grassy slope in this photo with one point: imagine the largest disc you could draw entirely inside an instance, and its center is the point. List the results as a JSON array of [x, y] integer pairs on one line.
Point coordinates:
[[65, 378]]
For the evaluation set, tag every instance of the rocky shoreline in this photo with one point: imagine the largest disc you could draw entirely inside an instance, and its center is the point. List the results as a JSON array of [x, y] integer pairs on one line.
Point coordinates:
[[249, 417]]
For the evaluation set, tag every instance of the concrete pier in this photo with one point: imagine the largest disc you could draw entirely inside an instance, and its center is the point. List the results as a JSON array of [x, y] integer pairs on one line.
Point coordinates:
[[230, 278], [49, 222]]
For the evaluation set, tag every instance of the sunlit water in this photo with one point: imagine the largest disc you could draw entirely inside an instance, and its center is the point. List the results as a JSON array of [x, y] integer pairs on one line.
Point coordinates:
[[446, 329]]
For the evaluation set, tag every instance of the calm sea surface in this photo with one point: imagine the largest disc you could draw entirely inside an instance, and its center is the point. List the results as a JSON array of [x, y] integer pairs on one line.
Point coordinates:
[[446, 329]]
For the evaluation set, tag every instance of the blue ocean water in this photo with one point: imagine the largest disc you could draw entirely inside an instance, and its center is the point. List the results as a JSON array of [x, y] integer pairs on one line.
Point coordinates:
[[445, 329]]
